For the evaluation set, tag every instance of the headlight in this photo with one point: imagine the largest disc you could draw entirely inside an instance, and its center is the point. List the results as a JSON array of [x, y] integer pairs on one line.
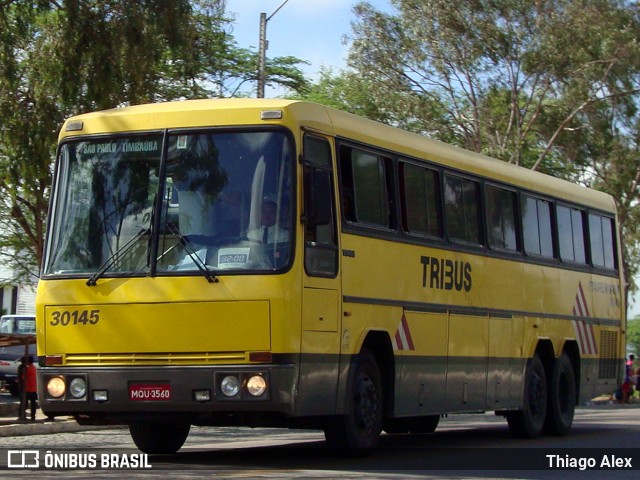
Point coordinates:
[[78, 387], [56, 387], [230, 386], [256, 385]]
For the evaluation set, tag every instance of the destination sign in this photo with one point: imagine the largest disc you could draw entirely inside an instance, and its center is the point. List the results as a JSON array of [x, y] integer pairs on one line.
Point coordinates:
[[137, 146]]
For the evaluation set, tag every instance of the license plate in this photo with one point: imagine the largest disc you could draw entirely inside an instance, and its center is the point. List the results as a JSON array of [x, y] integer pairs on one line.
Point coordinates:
[[150, 392]]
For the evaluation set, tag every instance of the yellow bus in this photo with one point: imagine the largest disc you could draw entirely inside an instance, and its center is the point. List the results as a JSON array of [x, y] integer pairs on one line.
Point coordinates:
[[280, 263]]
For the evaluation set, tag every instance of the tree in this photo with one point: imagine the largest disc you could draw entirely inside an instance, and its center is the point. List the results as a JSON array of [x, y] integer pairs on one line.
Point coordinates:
[[28, 126], [498, 72], [63, 58], [344, 91], [633, 335], [550, 85]]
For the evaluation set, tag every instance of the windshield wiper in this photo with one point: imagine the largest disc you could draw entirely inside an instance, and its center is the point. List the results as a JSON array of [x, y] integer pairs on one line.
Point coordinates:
[[118, 253], [191, 251]]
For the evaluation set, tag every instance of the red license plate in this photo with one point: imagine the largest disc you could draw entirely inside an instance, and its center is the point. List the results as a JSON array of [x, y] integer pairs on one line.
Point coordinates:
[[150, 392]]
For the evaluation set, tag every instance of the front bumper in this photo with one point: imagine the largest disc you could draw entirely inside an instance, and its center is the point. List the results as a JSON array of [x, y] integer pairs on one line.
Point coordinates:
[[183, 391]]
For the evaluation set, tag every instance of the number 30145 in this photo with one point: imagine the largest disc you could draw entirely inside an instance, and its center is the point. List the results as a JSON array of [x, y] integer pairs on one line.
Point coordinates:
[[74, 317]]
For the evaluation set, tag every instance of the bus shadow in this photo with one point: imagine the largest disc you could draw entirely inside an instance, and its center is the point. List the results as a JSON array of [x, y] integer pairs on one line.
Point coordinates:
[[460, 450]]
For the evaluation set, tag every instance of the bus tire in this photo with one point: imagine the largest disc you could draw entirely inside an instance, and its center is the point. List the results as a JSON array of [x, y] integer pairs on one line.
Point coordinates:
[[359, 429], [562, 397], [159, 438], [529, 422]]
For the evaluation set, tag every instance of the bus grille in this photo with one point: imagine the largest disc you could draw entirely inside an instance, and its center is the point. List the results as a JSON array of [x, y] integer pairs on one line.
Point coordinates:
[[609, 360], [110, 359]]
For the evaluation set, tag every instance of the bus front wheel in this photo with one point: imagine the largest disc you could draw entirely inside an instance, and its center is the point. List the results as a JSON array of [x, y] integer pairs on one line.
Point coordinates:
[[358, 430], [528, 422], [159, 438], [562, 397]]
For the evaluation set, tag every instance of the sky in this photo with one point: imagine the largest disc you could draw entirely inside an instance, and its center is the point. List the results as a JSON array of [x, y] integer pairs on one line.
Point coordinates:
[[311, 30]]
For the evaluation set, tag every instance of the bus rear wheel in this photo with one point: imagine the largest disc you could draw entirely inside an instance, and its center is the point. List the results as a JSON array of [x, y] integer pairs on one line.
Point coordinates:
[[562, 397], [529, 422], [359, 429], [159, 438]]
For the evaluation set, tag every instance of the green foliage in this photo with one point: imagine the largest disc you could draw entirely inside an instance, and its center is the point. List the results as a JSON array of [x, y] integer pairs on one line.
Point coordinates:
[[508, 78], [28, 126], [345, 91], [633, 335]]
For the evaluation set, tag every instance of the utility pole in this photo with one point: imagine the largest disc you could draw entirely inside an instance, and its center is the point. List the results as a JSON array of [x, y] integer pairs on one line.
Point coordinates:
[[262, 49]]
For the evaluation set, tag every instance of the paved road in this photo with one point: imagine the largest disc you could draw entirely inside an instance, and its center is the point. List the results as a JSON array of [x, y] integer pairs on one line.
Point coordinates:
[[461, 447]]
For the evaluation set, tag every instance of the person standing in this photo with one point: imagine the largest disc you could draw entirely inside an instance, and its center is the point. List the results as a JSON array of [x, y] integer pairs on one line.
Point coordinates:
[[31, 387], [634, 373], [627, 384]]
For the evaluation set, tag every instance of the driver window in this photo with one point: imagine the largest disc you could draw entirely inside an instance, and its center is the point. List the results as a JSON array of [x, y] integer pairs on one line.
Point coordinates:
[[321, 249]]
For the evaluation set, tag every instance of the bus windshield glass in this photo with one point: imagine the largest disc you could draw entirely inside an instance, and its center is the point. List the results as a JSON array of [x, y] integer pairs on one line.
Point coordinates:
[[191, 202]]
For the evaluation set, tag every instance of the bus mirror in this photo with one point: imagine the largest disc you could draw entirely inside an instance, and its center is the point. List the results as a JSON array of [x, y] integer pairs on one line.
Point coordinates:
[[318, 197]]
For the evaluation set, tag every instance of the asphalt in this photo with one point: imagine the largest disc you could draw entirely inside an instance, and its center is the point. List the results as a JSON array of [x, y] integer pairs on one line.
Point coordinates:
[[12, 426]]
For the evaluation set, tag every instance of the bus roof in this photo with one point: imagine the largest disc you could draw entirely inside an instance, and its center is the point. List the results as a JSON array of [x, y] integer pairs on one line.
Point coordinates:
[[243, 111]]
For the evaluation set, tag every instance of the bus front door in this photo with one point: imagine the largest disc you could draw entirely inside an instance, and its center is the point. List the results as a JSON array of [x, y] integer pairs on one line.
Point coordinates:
[[321, 326]]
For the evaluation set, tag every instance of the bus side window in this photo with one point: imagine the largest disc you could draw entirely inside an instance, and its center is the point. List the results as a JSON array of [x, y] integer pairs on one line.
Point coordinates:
[[462, 209], [601, 241], [571, 234], [367, 188], [420, 200], [537, 227], [501, 218], [321, 247]]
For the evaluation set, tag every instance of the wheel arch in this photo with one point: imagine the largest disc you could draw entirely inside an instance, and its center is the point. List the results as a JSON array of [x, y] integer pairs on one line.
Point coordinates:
[[544, 350], [378, 343], [572, 350]]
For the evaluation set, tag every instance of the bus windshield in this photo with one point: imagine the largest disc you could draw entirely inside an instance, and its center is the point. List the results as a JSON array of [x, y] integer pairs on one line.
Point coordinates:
[[184, 202]]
